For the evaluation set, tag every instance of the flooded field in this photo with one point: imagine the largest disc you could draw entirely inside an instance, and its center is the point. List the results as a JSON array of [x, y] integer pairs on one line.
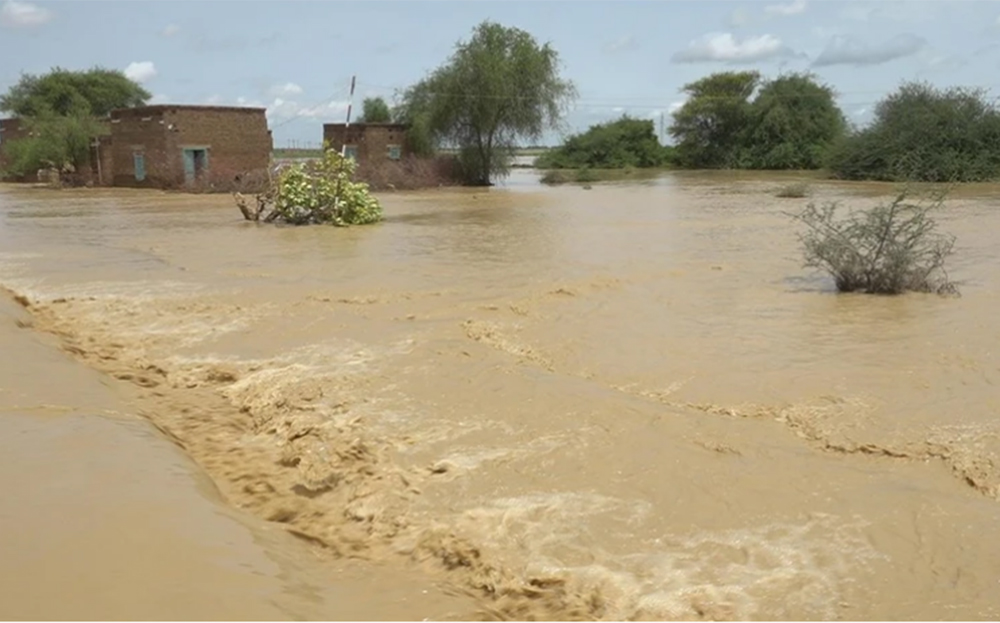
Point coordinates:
[[623, 403]]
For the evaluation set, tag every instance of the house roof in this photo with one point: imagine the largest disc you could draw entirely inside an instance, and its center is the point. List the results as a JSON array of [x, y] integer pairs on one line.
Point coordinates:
[[155, 108], [362, 124]]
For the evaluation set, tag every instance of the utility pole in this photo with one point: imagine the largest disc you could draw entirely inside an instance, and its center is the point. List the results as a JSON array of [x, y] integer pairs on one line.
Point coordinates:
[[661, 128]]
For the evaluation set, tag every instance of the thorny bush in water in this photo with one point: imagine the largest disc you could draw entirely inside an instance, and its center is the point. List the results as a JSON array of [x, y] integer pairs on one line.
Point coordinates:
[[889, 249], [320, 191]]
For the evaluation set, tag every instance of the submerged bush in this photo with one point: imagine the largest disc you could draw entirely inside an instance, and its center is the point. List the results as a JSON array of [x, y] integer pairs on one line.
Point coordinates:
[[797, 190], [319, 191], [889, 249]]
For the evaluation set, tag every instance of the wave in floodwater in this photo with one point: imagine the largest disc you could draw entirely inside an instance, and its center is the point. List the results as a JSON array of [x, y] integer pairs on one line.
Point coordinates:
[[559, 409]]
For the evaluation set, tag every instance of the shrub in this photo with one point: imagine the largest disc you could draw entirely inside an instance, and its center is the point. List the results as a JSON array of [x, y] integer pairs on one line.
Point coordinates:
[[319, 191], [889, 249], [797, 190], [626, 142]]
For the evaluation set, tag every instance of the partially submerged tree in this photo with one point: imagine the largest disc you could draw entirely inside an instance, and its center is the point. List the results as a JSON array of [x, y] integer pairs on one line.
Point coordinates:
[[375, 110], [922, 133], [889, 249], [625, 142], [316, 192], [708, 128], [498, 88]]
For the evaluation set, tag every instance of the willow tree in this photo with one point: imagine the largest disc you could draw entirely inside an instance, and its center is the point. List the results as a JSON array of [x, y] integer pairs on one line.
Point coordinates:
[[498, 88]]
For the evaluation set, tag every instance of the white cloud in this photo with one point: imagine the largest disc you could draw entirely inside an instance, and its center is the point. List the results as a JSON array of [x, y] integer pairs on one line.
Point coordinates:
[[213, 100], [159, 98], [792, 8], [284, 90], [844, 50], [675, 106], [24, 15], [140, 71], [725, 48], [171, 30]]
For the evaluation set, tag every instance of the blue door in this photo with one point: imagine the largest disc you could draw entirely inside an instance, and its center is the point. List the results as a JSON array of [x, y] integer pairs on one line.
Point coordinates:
[[139, 164], [195, 164], [189, 166]]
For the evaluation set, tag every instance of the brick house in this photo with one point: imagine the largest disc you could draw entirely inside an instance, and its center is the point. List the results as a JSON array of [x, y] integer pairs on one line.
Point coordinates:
[[368, 142], [173, 146]]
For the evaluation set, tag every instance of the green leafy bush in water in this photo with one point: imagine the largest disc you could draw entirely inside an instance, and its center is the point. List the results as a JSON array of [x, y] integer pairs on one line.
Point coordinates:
[[320, 191], [889, 249]]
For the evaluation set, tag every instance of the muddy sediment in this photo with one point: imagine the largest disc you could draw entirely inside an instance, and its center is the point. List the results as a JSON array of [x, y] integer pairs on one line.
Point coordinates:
[[558, 409]]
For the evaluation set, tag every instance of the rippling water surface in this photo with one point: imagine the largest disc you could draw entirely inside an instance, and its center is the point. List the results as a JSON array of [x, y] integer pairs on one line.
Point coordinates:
[[627, 402]]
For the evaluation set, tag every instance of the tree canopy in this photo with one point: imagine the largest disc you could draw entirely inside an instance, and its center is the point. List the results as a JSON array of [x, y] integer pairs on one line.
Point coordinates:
[[790, 123], [375, 110], [496, 89], [922, 133], [709, 126], [626, 142], [793, 122], [63, 92]]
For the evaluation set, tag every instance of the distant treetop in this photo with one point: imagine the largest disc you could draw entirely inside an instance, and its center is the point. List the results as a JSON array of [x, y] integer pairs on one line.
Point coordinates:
[[62, 92]]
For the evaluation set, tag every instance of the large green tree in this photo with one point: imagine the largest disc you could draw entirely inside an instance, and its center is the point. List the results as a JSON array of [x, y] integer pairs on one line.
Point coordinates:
[[60, 111], [96, 91], [708, 128], [922, 133], [375, 110], [498, 88], [793, 122]]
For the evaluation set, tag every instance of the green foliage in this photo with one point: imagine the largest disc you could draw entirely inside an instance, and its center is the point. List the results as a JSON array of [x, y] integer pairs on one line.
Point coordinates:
[[793, 122], [921, 133], [709, 127], [889, 249], [315, 192], [790, 124], [55, 141], [626, 142], [497, 89], [796, 190], [96, 92], [375, 110]]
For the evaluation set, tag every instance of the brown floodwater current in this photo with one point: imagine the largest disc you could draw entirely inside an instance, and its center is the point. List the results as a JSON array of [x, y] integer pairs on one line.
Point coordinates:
[[630, 402]]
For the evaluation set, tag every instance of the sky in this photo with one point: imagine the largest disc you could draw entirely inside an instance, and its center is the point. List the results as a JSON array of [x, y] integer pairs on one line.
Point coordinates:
[[296, 57]]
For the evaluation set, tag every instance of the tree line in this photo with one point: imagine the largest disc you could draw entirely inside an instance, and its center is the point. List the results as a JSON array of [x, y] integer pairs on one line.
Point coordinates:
[[501, 88]]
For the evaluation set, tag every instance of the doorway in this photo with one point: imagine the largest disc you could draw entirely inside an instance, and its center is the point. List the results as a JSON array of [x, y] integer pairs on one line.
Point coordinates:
[[195, 164]]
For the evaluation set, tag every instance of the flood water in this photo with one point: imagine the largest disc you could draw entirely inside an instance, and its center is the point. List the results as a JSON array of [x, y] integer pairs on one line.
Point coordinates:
[[630, 402]]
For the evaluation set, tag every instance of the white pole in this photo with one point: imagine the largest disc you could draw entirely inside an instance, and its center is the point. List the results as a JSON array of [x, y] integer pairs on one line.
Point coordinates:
[[343, 148]]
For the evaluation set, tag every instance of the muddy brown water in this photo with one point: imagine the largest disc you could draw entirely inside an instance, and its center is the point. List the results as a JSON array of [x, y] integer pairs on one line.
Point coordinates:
[[623, 403]]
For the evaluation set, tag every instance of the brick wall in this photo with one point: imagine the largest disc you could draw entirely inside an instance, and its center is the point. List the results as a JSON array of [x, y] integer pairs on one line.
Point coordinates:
[[371, 139], [236, 141]]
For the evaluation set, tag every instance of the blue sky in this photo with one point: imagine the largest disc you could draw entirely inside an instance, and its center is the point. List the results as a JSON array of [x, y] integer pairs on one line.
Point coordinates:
[[296, 57]]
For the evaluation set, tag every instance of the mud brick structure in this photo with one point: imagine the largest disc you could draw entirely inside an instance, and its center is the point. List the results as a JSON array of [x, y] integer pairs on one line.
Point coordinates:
[[368, 143], [189, 147]]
